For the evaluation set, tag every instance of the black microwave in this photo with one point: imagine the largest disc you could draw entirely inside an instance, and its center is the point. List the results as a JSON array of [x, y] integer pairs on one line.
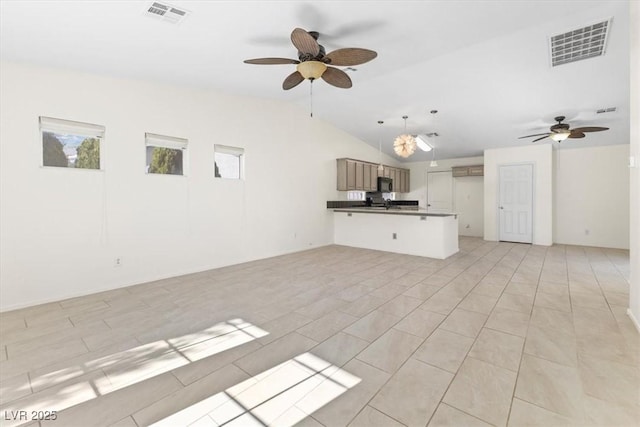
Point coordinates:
[[385, 185]]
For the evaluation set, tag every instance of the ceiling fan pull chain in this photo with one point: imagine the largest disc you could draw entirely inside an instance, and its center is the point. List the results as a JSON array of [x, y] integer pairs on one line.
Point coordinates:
[[311, 98]]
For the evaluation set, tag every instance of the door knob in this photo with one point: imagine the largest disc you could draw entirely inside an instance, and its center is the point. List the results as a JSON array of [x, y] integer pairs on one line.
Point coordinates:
[[501, 207]]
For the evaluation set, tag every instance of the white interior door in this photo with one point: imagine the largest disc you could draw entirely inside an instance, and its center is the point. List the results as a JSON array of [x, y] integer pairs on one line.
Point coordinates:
[[439, 192], [516, 203]]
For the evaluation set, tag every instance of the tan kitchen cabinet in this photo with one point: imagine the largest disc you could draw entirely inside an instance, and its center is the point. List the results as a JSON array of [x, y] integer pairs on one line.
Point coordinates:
[[357, 175], [476, 170], [346, 174]]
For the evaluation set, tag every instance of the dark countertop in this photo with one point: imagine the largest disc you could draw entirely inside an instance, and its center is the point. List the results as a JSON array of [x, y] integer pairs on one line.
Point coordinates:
[[405, 210], [348, 204]]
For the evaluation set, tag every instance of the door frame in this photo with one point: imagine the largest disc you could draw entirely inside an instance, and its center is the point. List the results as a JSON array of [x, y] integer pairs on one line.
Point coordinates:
[[533, 198]]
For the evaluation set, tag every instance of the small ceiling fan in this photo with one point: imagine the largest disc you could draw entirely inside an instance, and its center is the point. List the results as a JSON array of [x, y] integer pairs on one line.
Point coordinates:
[[561, 131], [313, 63]]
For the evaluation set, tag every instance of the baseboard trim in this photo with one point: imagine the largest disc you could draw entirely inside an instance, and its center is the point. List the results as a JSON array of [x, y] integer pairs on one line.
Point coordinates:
[[633, 319]]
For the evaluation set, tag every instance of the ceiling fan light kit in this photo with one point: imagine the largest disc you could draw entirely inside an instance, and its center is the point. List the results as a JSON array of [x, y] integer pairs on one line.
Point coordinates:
[[311, 69], [560, 136], [561, 131]]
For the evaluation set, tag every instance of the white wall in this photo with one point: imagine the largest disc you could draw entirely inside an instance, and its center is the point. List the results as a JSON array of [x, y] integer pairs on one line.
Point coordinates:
[[62, 228], [634, 303], [592, 196], [540, 156], [469, 203]]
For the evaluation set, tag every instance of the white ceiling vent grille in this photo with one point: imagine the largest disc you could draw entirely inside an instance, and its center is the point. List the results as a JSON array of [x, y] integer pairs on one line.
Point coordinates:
[[606, 110], [165, 12], [579, 44]]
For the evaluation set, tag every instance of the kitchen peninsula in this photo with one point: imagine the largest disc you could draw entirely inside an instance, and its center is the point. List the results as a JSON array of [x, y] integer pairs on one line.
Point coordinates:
[[404, 231]]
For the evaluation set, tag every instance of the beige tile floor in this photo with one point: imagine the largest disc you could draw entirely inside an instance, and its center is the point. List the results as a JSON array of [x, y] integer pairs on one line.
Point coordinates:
[[499, 334]]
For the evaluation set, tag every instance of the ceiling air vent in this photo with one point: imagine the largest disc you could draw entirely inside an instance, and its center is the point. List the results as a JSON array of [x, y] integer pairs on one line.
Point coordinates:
[[606, 110], [165, 12], [579, 44]]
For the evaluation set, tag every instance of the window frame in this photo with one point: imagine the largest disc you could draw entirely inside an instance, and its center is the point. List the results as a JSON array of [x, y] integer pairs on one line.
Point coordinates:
[[71, 127], [234, 151], [164, 141]]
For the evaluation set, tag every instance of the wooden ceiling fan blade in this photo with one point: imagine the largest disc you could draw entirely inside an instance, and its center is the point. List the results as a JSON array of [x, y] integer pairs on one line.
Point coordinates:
[[305, 42], [540, 139], [537, 134], [575, 134], [589, 129], [337, 78], [350, 56], [292, 80], [271, 61]]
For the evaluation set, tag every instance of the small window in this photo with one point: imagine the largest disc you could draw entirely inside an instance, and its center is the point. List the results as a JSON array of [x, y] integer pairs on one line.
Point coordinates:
[[165, 154], [356, 195], [69, 144], [228, 162]]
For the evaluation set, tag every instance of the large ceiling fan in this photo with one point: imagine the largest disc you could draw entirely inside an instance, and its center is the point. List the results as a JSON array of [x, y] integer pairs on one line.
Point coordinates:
[[561, 131], [313, 63]]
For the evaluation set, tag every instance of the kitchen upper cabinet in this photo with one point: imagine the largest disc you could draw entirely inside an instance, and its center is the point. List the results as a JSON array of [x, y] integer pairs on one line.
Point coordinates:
[[476, 170], [346, 175], [355, 175], [366, 176], [401, 183], [373, 185], [359, 176], [404, 180], [459, 171]]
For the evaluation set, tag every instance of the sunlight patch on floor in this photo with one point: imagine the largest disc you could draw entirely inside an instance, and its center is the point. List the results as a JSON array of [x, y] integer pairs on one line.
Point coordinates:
[[283, 396], [101, 376]]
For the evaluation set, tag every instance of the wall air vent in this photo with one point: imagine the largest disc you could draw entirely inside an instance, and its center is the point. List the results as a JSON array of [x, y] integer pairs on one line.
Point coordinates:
[[579, 44], [165, 12]]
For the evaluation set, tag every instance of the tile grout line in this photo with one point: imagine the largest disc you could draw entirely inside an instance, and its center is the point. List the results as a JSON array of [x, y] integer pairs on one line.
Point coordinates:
[[476, 339], [423, 341], [524, 343]]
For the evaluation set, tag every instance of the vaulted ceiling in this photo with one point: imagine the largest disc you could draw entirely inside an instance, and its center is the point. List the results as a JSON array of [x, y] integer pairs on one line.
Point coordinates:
[[484, 65]]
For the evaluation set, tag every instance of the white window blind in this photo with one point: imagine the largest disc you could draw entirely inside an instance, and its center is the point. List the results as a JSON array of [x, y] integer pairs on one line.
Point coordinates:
[[69, 127], [155, 140], [225, 149]]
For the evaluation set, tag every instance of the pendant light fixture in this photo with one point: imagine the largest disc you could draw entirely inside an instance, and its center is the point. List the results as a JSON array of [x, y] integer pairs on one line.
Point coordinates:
[[434, 163], [405, 144], [380, 167]]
